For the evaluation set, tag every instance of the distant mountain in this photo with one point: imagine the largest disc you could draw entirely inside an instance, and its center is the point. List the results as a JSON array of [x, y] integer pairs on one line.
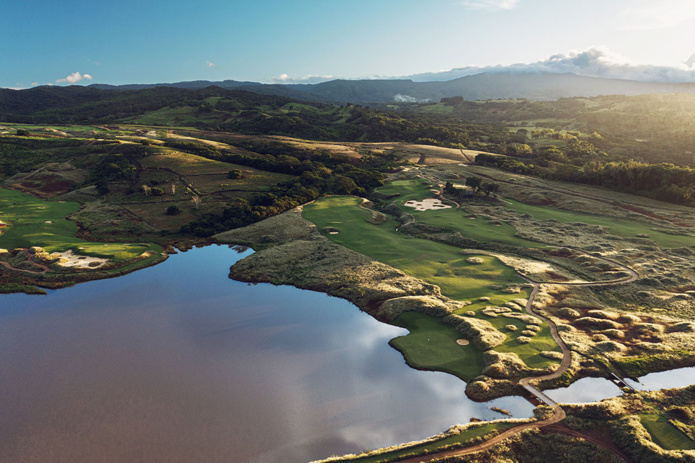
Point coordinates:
[[97, 100], [485, 86]]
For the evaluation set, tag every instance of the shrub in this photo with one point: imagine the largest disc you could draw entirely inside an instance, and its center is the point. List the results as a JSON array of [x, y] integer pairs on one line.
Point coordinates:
[[173, 210], [234, 174], [156, 191]]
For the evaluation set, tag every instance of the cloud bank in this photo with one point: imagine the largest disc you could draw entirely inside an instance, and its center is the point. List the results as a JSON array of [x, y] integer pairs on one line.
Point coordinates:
[[74, 78], [310, 79], [643, 15], [592, 62], [490, 4]]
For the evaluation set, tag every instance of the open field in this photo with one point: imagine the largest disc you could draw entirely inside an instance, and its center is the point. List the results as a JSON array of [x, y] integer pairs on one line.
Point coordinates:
[[35, 222], [664, 434]]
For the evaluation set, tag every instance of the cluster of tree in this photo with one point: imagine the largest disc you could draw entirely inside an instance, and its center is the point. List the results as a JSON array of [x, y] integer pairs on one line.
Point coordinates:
[[316, 173], [475, 185], [648, 128], [231, 110], [666, 182]]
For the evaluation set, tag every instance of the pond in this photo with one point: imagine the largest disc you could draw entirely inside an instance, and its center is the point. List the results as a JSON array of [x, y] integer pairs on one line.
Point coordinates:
[[179, 363], [588, 390]]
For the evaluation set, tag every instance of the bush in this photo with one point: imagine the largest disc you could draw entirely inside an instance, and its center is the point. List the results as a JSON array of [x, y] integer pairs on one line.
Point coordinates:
[[234, 174], [173, 210], [156, 191]]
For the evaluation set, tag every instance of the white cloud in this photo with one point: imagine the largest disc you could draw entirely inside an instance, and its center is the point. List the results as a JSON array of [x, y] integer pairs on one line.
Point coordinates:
[[210, 64], [593, 62], [400, 98], [690, 62], [490, 4], [309, 79], [644, 15], [75, 77]]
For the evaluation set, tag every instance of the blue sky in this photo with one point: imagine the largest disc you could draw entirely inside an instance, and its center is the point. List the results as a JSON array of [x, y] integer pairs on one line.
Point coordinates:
[[62, 42]]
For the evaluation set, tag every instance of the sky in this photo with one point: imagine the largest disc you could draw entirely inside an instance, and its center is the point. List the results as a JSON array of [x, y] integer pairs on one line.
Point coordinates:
[[151, 41]]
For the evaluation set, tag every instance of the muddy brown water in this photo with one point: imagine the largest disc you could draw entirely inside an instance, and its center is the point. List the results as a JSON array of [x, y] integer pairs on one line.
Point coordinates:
[[178, 363]]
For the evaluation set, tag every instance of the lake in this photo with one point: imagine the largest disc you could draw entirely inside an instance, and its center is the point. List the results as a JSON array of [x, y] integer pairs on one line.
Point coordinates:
[[178, 363]]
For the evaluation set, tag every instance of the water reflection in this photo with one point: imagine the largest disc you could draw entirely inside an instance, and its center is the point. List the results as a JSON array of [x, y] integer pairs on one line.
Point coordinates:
[[179, 363], [584, 391], [680, 377]]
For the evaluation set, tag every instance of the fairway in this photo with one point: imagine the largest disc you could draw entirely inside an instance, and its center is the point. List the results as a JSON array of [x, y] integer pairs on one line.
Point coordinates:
[[35, 222], [617, 226], [436, 263], [439, 264], [476, 228], [664, 434]]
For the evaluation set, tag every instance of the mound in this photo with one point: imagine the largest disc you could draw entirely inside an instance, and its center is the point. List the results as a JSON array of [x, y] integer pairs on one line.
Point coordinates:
[[481, 333]]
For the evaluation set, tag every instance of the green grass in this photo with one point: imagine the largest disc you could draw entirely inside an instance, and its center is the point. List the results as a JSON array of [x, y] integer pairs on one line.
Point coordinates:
[[664, 434], [436, 263], [617, 226], [431, 345], [27, 219], [478, 229], [486, 231], [459, 440]]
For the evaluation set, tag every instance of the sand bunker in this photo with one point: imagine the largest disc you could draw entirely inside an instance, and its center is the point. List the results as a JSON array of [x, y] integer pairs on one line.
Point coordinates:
[[462, 342], [427, 204], [68, 259]]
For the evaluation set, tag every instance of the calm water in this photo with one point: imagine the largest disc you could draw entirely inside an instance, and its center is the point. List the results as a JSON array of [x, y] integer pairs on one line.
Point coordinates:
[[178, 363], [594, 389]]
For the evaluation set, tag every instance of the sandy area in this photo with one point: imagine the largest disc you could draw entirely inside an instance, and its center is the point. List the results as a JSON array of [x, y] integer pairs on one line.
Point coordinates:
[[68, 259], [427, 204], [462, 342]]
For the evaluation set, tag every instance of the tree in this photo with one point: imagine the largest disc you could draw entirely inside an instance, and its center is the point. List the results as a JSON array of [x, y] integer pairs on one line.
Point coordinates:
[[196, 202], [234, 174], [173, 210], [474, 182], [489, 188]]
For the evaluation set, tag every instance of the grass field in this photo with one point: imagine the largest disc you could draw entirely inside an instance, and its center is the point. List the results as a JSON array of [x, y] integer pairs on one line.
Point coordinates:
[[485, 230], [664, 434], [617, 226], [452, 441], [438, 264], [35, 222], [431, 345], [479, 229]]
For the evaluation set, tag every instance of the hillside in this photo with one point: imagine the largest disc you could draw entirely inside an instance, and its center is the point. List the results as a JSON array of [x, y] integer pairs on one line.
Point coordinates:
[[534, 86]]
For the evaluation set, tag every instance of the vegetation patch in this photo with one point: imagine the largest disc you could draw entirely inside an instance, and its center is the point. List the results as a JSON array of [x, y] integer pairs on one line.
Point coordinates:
[[432, 345]]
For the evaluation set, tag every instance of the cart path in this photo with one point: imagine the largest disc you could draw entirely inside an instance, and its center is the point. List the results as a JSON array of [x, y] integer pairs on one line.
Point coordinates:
[[558, 413]]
